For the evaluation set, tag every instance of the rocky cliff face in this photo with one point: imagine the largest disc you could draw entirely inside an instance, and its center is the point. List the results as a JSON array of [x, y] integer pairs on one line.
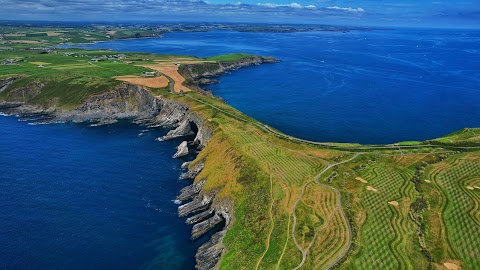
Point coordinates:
[[125, 101], [131, 101], [201, 73]]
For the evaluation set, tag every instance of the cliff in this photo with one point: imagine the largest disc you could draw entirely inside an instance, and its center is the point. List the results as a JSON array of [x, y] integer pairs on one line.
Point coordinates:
[[202, 73], [138, 103]]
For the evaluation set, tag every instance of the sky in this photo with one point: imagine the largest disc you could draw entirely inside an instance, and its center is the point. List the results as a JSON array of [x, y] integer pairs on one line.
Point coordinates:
[[408, 13]]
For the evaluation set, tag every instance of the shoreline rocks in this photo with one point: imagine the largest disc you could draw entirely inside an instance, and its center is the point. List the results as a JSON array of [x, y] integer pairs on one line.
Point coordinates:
[[184, 129], [209, 254], [191, 191], [199, 203], [193, 170], [182, 150], [203, 227], [184, 165]]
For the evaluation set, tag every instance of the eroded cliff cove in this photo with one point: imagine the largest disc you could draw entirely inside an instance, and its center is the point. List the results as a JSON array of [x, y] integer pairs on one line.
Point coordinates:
[[202, 207]]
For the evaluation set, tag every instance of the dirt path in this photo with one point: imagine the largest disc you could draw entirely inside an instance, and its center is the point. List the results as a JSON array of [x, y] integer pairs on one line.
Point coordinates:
[[285, 246], [339, 206], [270, 212]]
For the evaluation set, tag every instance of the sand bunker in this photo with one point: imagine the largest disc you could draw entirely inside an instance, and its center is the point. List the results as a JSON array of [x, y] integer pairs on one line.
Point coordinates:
[[451, 266], [428, 181], [53, 33], [40, 63], [470, 187], [25, 41], [361, 180], [15, 35], [394, 203], [157, 82], [372, 189]]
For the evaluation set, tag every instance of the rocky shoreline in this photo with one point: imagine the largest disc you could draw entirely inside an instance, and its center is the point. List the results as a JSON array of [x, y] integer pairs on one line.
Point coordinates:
[[205, 73], [136, 102], [127, 101]]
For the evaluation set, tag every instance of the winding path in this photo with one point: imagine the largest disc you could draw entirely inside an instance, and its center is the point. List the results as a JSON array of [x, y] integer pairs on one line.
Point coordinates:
[[172, 81], [339, 206]]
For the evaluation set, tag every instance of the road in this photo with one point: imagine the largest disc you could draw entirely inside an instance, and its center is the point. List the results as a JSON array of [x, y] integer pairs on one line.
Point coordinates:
[[327, 145]]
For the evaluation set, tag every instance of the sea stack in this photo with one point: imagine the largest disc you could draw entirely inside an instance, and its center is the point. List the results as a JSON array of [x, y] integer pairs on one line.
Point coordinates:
[[182, 150]]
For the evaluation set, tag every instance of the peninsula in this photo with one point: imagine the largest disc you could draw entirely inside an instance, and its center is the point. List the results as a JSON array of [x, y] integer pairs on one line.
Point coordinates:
[[282, 202]]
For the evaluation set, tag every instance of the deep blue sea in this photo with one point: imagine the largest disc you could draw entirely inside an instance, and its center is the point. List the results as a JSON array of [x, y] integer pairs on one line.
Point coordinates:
[[80, 197], [380, 86]]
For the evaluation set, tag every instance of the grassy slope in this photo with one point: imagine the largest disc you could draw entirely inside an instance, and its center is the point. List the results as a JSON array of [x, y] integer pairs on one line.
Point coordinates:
[[263, 176], [228, 57], [385, 236]]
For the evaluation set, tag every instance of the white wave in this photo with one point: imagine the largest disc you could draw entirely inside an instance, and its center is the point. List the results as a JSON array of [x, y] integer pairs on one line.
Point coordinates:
[[4, 114], [177, 201]]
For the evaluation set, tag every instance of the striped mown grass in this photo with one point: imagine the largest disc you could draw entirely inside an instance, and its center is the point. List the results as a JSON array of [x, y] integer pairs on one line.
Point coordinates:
[[461, 208]]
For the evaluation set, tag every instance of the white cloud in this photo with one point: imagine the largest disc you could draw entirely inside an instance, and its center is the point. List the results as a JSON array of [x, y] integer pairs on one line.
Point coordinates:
[[271, 5], [349, 9]]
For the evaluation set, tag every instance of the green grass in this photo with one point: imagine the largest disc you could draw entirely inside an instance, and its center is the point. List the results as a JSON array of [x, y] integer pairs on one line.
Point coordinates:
[[70, 92], [461, 211], [229, 57], [407, 143], [386, 232], [464, 136], [67, 80]]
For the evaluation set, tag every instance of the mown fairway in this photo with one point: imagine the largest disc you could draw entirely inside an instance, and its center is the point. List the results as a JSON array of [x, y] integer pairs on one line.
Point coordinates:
[[387, 232], [458, 179]]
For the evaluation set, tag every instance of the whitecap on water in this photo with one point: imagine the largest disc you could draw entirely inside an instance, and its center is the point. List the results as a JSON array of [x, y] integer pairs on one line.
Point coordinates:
[[3, 114], [177, 201]]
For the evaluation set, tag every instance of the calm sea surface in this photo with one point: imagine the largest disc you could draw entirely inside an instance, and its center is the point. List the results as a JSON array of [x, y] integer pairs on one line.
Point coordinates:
[[379, 86], [78, 197]]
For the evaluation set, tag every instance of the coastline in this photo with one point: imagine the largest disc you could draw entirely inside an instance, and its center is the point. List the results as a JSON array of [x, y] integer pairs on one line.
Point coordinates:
[[163, 113], [210, 199]]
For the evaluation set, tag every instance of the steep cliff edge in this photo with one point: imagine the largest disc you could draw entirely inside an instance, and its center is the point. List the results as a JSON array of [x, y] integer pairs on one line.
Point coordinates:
[[202, 73]]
